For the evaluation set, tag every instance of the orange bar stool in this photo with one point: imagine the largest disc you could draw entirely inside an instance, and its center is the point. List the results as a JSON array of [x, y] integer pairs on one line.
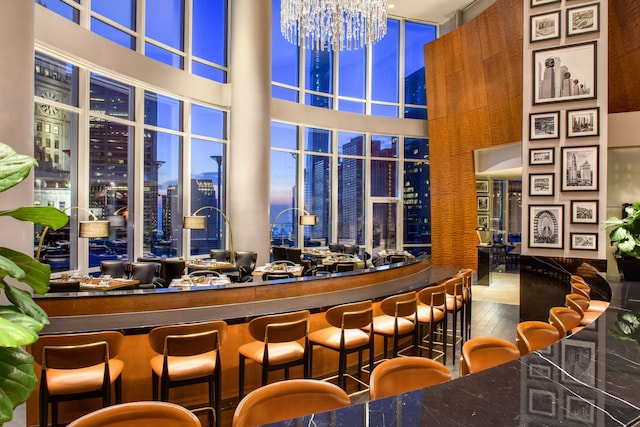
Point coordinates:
[[482, 353], [277, 344], [288, 399], [581, 304], [136, 414], [188, 354], [432, 313], [455, 308], [403, 374], [346, 335], [533, 335], [467, 274], [585, 290], [566, 320], [77, 366], [399, 319]]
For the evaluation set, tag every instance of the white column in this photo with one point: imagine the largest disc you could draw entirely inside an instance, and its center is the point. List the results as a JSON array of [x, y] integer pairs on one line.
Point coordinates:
[[249, 157], [16, 111]]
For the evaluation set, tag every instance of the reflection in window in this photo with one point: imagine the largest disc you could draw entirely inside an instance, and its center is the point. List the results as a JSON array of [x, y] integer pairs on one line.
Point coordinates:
[[319, 77], [417, 205], [62, 9], [384, 146], [384, 178], [351, 200], [317, 197], [416, 36], [162, 111], [284, 195], [111, 97]]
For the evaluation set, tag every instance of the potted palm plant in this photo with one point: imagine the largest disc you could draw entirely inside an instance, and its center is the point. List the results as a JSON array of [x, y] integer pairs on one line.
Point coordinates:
[[625, 237], [21, 319]]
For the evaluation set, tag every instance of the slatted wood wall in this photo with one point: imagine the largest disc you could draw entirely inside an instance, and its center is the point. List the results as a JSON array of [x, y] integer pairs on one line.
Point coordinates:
[[624, 56], [474, 100]]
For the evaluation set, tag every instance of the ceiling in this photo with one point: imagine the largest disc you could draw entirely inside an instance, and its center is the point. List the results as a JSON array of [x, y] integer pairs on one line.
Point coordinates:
[[436, 11]]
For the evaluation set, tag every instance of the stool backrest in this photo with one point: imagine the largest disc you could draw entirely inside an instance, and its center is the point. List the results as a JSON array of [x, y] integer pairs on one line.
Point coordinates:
[[533, 335], [434, 296], [355, 315], [280, 327], [564, 319], [135, 414], [403, 374], [188, 339], [482, 353], [112, 338], [401, 305]]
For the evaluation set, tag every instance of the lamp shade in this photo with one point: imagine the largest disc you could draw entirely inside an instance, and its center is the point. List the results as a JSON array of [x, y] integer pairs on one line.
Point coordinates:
[[308, 220], [194, 222], [93, 229]]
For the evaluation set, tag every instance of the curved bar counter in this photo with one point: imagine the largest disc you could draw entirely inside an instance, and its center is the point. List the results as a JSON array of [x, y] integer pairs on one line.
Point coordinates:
[[590, 378]]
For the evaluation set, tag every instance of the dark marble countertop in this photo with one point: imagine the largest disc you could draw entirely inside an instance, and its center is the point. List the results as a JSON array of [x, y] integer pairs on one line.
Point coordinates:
[[591, 378]]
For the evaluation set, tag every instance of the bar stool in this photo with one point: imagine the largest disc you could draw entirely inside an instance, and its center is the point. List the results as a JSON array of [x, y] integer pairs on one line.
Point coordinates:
[[188, 354], [565, 320], [77, 366], [398, 320], [467, 274], [276, 344], [134, 414], [533, 335], [455, 308], [403, 374], [583, 289], [432, 312], [580, 304], [482, 353], [288, 399], [346, 335]]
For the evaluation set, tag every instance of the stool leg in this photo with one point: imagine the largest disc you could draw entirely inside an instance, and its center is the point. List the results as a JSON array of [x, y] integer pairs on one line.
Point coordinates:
[[154, 386], [118, 386], [241, 377], [54, 413], [44, 408]]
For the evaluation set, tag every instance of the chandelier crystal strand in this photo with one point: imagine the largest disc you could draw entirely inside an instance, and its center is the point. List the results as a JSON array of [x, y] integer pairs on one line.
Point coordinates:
[[333, 24]]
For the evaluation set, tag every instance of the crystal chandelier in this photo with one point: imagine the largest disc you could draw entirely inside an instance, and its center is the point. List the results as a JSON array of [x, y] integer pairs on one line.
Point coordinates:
[[333, 24]]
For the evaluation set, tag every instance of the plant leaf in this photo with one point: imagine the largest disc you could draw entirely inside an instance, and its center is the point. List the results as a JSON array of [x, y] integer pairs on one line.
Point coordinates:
[[17, 380], [14, 167], [13, 315], [25, 303], [14, 335], [41, 215], [36, 274]]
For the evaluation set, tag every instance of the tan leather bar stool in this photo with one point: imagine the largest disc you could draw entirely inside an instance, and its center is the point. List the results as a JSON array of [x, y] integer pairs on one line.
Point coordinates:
[[482, 353], [137, 414], [455, 308], [77, 366], [533, 335], [581, 304], [288, 399], [467, 274], [585, 290], [432, 313], [565, 320], [277, 344], [403, 374], [188, 354], [346, 335]]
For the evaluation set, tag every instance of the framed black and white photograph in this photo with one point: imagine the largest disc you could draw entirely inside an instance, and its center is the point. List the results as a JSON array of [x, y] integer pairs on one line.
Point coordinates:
[[580, 409], [539, 371], [483, 203], [483, 221], [583, 122], [580, 168], [546, 226], [584, 241], [544, 125], [584, 212], [542, 402], [541, 156], [545, 26], [482, 186], [579, 362], [583, 19], [541, 184], [535, 3], [564, 73]]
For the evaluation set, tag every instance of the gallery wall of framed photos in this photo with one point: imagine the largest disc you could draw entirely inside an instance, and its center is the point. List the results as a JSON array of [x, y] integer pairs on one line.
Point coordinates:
[[564, 128]]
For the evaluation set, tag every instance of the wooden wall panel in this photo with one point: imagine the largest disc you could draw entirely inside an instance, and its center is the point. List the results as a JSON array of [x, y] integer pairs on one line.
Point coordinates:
[[624, 55], [474, 98]]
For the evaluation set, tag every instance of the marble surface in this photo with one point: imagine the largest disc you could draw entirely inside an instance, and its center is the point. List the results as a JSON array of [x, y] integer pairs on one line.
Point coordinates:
[[591, 378]]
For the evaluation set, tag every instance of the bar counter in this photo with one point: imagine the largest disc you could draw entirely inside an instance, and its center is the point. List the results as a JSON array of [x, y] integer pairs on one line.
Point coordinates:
[[589, 379]]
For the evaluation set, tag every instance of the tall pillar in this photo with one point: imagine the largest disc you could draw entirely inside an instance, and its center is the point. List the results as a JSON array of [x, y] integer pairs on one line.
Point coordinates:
[[249, 157], [16, 111]]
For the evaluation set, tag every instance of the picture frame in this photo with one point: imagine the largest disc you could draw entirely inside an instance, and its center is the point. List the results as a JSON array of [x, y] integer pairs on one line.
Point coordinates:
[[583, 122], [483, 203], [541, 402], [579, 362], [584, 241], [580, 409], [483, 221], [583, 19], [541, 184], [539, 371], [545, 26], [482, 186], [584, 211], [580, 168], [541, 156], [544, 125], [546, 226], [535, 3], [565, 73]]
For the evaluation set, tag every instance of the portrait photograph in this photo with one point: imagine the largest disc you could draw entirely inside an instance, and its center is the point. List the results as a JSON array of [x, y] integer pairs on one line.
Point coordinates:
[[580, 168], [583, 19], [483, 203], [582, 122], [541, 184], [545, 26], [544, 125], [541, 156], [546, 228], [584, 241], [584, 212], [564, 73]]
